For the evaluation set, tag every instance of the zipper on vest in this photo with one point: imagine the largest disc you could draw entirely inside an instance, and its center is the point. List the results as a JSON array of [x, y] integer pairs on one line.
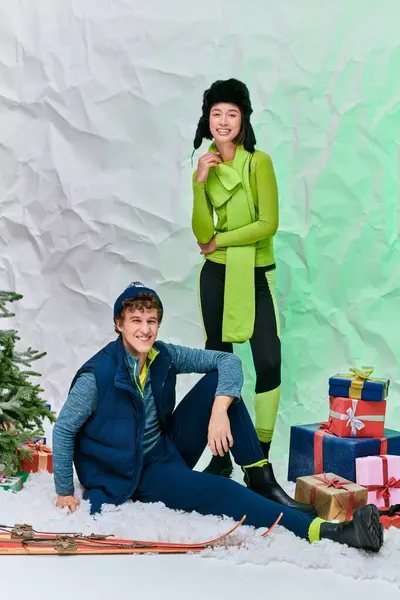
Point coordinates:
[[139, 387], [139, 437], [159, 409]]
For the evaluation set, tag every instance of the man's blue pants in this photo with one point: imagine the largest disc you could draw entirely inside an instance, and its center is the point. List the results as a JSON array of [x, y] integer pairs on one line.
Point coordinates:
[[167, 474]]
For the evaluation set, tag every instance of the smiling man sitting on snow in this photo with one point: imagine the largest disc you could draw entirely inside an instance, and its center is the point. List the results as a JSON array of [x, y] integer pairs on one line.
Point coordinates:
[[120, 427]]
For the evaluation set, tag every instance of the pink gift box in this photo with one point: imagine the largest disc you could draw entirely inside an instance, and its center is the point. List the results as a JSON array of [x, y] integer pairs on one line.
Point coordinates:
[[382, 473]]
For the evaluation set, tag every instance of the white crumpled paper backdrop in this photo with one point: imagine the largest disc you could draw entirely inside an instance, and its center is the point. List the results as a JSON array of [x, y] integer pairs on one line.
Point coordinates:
[[99, 102]]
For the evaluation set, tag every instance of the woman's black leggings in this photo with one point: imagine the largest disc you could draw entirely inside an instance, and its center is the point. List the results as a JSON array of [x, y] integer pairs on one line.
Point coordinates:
[[265, 342]]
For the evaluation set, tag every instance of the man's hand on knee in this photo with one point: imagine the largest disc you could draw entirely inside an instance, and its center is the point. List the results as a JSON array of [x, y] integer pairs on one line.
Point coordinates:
[[219, 428]]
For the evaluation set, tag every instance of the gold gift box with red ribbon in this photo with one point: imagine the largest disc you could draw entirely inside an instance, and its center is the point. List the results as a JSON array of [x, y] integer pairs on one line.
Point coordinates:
[[334, 497], [42, 457]]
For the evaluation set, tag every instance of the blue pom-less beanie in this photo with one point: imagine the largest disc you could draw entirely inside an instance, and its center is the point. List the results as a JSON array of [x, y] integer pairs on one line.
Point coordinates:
[[133, 291]]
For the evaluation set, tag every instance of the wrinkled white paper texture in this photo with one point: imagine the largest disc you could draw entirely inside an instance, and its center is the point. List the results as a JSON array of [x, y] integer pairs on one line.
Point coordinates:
[[99, 102]]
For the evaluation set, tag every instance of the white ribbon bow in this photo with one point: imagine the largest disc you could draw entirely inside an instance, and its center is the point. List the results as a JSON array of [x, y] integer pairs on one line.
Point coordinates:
[[354, 422]]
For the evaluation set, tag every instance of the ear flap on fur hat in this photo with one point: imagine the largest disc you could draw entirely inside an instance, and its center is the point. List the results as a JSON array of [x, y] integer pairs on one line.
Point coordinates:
[[249, 141], [202, 131], [234, 92]]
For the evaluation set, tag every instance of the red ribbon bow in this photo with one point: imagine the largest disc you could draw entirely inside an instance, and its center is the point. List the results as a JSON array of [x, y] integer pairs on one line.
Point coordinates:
[[331, 482], [384, 491]]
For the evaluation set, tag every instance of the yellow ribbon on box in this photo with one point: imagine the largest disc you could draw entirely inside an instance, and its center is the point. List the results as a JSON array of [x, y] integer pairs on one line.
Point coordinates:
[[359, 376]]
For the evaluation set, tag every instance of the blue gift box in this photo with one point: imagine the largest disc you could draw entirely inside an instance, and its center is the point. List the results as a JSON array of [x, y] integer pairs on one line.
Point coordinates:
[[339, 454], [347, 387]]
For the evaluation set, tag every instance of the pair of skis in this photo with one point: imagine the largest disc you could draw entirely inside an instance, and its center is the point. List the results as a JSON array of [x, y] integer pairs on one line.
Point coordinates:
[[24, 540]]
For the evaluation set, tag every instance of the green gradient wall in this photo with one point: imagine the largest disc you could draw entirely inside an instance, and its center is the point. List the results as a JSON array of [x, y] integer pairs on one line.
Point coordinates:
[[332, 125]]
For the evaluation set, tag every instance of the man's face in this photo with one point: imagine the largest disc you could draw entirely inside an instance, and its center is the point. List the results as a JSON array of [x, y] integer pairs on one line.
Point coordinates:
[[139, 330]]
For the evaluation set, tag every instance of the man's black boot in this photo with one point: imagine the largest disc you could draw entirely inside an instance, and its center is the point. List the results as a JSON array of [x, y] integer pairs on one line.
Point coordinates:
[[262, 480], [220, 465], [365, 531]]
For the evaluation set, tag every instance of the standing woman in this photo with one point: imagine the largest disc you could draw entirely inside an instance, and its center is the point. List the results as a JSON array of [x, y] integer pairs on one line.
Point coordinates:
[[237, 279]]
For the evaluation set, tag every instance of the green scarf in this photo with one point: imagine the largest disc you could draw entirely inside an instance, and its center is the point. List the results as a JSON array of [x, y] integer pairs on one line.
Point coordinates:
[[230, 184]]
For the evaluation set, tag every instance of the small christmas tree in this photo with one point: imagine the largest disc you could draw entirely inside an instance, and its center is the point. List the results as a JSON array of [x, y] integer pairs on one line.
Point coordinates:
[[22, 410]]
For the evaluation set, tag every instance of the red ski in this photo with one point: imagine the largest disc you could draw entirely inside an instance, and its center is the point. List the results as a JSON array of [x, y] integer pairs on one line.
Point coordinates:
[[23, 539]]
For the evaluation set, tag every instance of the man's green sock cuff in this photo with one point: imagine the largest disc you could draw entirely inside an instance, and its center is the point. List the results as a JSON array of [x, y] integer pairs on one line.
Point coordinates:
[[314, 530], [260, 463]]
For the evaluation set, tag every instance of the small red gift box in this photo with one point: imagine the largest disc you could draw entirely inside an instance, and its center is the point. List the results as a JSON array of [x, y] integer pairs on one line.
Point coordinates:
[[349, 417], [42, 458], [391, 517]]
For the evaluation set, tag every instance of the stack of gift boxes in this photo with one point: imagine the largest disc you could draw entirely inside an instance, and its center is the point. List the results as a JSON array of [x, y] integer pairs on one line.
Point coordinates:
[[351, 460], [38, 457]]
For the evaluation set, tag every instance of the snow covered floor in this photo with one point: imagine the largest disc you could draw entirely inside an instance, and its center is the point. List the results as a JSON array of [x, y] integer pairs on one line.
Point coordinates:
[[288, 563], [176, 578]]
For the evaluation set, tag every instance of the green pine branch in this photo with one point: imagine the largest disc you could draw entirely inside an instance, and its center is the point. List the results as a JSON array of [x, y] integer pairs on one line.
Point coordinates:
[[22, 408], [27, 357], [7, 297]]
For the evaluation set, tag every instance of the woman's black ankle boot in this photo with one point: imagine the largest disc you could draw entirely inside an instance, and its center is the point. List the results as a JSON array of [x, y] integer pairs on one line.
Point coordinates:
[[220, 465]]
